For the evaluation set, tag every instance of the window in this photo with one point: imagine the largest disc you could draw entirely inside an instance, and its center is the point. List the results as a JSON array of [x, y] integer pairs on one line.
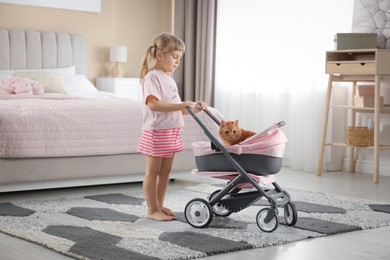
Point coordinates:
[[270, 66]]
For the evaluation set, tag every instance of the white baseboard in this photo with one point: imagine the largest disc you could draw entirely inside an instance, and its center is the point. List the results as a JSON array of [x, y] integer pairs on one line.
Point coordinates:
[[367, 166]]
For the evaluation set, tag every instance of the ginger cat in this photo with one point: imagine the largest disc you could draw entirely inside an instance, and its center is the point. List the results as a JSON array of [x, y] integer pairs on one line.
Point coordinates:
[[230, 133]]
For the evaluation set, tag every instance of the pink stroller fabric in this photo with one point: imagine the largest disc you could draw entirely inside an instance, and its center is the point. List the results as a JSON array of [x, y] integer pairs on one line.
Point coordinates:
[[270, 142]]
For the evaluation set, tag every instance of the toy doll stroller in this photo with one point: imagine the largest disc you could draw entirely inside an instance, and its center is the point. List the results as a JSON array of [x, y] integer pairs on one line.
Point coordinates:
[[246, 165]]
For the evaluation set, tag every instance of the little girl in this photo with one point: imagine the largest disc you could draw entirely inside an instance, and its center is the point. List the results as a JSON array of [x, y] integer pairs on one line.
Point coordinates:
[[162, 120]]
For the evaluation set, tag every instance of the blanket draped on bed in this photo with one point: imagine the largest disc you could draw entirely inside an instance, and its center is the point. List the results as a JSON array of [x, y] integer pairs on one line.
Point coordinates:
[[39, 126]]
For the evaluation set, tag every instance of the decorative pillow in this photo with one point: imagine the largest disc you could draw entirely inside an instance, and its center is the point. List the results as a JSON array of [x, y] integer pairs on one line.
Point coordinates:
[[52, 82]]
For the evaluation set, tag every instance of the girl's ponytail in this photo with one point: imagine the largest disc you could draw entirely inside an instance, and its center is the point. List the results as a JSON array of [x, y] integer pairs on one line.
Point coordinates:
[[147, 58]]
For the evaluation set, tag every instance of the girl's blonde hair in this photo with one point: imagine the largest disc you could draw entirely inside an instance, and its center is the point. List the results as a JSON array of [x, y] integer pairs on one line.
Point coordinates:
[[165, 42]]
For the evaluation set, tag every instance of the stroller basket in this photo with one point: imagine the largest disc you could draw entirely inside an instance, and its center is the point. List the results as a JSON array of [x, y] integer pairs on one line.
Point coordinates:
[[207, 159], [252, 163]]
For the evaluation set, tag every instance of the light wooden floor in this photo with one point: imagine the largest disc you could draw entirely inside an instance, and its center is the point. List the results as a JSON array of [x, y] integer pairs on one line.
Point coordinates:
[[368, 244]]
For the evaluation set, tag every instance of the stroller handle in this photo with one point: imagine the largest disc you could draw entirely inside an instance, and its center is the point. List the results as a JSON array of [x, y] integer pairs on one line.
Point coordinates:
[[212, 116], [280, 124], [198, 106], [216, 120], [207, 132]]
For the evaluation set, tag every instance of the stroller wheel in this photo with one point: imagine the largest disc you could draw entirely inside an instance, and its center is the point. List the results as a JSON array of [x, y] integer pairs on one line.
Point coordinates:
[[290, 214], [198, 213], [267, 220], [218, 208]]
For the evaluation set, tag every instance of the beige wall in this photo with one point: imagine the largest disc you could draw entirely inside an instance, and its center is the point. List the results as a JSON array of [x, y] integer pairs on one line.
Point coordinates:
[[131, 23]]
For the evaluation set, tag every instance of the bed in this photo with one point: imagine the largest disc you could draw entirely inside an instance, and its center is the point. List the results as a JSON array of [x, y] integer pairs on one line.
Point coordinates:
[[72, 134]]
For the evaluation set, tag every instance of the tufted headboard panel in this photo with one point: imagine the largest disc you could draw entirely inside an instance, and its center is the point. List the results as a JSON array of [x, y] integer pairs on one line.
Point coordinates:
[[27, 49], [373, 16]]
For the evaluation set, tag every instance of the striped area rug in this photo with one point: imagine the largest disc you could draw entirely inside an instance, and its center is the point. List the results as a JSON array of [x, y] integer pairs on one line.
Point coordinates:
[[112, 226]]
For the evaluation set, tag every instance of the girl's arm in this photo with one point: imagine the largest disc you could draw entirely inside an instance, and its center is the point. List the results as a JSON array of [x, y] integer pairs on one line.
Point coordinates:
[[157, 105]]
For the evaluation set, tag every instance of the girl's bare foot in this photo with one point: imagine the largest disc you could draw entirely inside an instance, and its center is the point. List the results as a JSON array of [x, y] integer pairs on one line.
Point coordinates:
[[160, 216], [168, 212]]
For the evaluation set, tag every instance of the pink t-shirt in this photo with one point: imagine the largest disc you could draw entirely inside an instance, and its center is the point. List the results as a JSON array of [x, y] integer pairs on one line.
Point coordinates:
[[163, 87]]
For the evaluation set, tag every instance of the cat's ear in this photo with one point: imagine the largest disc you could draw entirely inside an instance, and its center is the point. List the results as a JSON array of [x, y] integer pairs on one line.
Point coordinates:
[[223, 122], [236, 123]]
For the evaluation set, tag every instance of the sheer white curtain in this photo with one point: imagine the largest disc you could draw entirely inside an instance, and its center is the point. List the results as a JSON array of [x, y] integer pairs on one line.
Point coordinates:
[[270, 66]]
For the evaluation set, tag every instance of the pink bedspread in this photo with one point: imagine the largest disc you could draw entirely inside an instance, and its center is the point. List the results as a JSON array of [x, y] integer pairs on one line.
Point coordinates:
[[53, 126]]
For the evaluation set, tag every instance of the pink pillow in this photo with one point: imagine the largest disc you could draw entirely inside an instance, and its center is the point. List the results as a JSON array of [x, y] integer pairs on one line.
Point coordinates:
[[20, 85]]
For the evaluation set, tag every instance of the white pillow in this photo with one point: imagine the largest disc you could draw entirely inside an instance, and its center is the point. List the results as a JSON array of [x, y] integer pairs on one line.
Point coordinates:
[[71, 70], [5, 73], [77, 84]]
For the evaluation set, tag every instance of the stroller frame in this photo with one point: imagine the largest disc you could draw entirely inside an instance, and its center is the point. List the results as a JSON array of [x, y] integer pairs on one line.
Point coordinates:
[[199, 212]]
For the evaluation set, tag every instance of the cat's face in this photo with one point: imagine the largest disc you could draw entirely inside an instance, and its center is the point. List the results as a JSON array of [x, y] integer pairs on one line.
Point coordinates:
[[229, 131]]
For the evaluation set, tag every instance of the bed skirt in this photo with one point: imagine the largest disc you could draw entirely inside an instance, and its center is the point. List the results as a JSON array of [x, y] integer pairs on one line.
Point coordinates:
[[18, 174]]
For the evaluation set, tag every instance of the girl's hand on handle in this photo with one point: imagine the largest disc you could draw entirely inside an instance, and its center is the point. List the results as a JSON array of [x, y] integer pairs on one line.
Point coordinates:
[[196, 107], [201, 106], [188, 104]]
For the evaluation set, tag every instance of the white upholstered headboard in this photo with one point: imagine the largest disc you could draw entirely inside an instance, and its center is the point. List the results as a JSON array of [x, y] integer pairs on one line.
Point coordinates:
[[27, 49]]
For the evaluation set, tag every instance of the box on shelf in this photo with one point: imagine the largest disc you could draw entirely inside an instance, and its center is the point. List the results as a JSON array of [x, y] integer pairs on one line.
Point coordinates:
[[359, 136], [347, 41], [366, 101], [365, 90], [385, 91], [369, 90]]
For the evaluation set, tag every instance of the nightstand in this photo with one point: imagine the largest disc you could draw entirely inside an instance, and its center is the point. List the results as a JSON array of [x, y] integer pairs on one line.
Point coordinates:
[[121, 87]]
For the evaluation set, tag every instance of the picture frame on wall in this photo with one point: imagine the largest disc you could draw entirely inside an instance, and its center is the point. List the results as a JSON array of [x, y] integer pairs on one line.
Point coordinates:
[[84, 5]]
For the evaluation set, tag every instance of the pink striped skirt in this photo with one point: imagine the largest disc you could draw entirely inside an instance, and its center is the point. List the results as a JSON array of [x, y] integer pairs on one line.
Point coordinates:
[[160, 143]]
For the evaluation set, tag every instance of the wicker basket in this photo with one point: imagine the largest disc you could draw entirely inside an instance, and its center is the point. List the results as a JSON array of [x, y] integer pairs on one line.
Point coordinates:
[[359, 136]]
